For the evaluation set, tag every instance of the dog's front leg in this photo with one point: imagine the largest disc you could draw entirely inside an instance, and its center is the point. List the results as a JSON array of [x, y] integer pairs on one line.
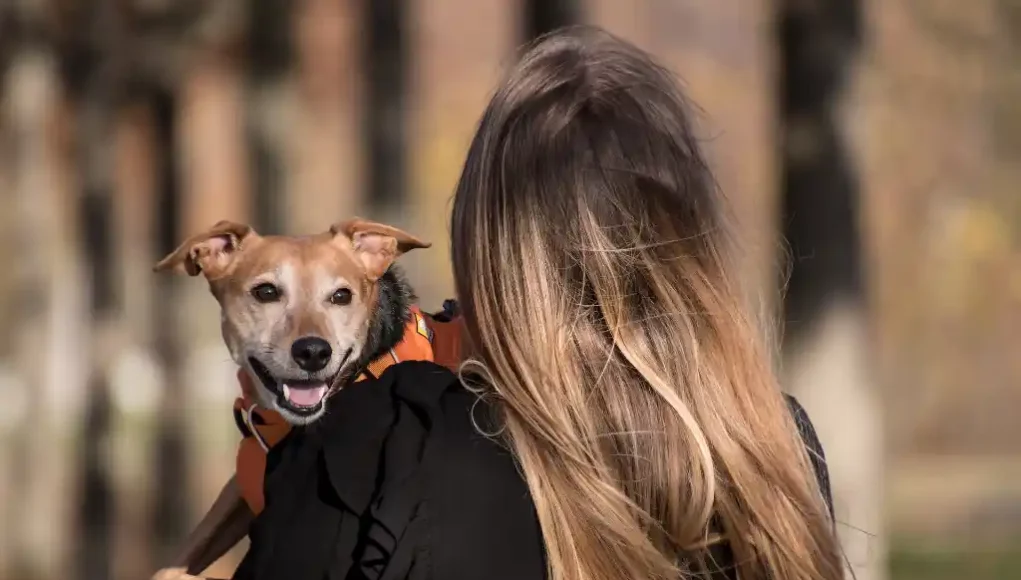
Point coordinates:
[[221, 529]]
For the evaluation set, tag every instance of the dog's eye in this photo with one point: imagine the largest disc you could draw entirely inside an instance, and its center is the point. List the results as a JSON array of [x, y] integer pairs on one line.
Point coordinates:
[[266, 293], [342, 297]]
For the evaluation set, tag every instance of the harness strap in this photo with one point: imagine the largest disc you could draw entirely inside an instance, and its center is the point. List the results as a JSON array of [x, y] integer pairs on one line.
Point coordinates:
[[248, 422]]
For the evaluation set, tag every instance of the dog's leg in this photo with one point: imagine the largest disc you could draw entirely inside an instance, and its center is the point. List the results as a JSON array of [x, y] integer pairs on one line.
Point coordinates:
[[233, 527], [177, 574], [221, 529]]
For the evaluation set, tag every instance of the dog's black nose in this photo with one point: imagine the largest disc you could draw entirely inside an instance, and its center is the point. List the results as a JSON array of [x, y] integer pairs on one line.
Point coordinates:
[[311, 353]]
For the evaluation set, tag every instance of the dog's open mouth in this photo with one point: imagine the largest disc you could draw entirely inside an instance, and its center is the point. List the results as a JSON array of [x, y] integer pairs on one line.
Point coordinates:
[[298, 395]]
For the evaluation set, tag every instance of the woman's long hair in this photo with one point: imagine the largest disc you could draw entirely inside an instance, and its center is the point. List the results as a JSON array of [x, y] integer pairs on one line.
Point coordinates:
[[590, 252]]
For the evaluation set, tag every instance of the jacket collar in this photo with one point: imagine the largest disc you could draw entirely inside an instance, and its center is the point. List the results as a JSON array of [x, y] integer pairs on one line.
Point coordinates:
[[402, 403]]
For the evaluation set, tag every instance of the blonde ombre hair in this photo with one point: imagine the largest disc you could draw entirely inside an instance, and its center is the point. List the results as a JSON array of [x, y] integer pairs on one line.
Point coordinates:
[[590, 251]]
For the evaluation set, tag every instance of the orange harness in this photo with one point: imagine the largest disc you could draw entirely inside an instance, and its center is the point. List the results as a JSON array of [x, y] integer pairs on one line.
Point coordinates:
[[425, 339]]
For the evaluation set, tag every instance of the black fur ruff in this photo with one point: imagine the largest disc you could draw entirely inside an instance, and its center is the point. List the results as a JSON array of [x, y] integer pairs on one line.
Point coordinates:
[[393, 312]]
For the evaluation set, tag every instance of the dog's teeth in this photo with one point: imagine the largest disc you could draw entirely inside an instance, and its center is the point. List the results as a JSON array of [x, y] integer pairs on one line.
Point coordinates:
[[287, 392]]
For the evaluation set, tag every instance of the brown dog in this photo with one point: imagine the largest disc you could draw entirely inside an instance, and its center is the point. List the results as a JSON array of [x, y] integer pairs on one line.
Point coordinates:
[[301, 316]]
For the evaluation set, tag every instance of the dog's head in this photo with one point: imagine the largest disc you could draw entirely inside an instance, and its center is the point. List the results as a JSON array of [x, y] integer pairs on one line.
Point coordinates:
[[295, 311]]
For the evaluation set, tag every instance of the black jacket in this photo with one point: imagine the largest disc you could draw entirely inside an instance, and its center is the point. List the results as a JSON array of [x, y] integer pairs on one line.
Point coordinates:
[[396, 483]]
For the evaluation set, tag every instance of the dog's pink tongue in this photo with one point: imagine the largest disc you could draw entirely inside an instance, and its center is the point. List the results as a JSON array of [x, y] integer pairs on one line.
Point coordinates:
[[305, 395]]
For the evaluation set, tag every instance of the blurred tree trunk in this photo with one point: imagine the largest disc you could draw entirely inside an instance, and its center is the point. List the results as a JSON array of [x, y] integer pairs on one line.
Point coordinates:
[[23, 290], [93, 53], [95, 117], [269, 59], [827, 359], [325, 157], [134, 379], [384, 63], [171, 508], [543, 16], [33, 102], [10, 383], [1007, 108]]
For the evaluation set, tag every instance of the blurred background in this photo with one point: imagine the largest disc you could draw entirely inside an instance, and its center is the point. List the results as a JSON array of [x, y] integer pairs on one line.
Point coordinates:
[[879, 138]]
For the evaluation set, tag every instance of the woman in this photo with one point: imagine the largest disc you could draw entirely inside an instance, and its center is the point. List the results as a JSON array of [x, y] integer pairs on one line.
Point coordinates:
[[622, 420]]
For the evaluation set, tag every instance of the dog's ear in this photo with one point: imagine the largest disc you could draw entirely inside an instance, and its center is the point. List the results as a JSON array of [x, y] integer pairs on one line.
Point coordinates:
[[376, 245], [210, 252]]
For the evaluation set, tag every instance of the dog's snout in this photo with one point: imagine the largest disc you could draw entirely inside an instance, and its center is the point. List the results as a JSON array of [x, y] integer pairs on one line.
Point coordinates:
[[311, 353]]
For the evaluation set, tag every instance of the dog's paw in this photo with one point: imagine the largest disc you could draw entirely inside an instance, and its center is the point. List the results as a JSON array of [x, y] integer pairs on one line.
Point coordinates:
[[174, 574]]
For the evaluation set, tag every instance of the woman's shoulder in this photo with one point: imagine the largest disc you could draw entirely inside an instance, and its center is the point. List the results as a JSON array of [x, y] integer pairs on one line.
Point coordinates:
[[462, 428], [482, 522]]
